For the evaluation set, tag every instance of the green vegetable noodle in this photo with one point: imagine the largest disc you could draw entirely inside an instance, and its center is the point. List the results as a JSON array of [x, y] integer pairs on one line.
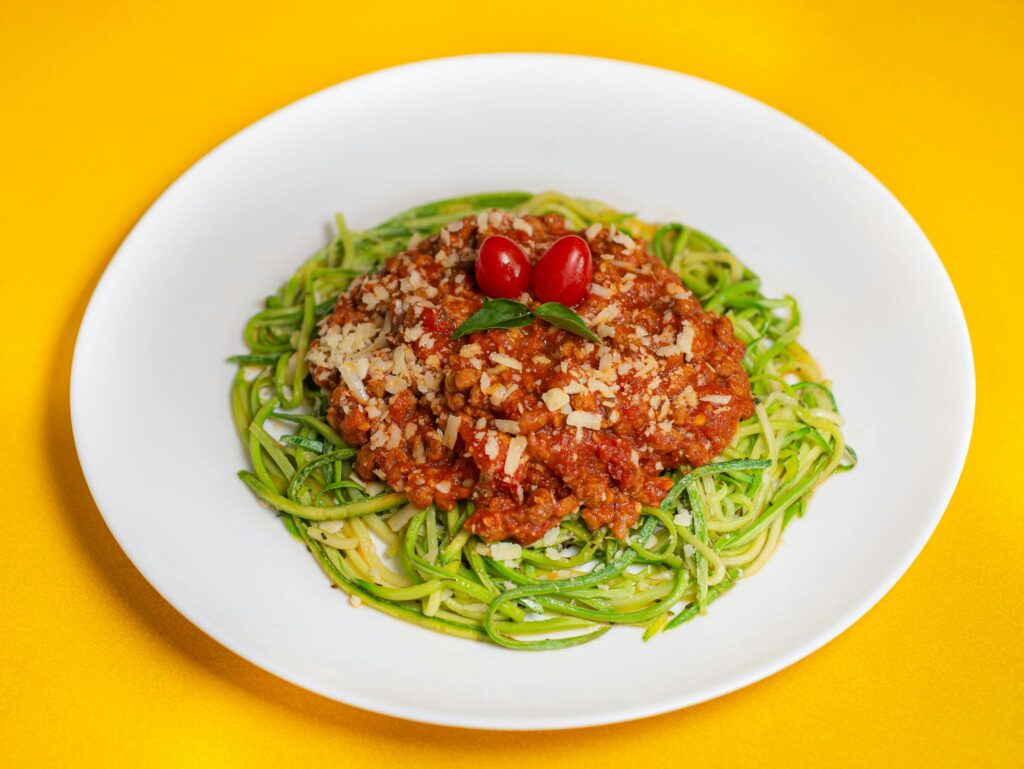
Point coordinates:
[[719, 523]]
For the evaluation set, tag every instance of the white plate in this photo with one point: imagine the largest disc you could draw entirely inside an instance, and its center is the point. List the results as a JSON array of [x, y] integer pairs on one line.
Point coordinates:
[[149, 391]]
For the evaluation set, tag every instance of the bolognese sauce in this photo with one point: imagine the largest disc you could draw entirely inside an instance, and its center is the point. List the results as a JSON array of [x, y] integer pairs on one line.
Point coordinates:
[[530, 423]]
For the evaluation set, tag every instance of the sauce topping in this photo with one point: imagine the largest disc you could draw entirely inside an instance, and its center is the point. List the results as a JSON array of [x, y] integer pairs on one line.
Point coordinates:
[[531, 423]]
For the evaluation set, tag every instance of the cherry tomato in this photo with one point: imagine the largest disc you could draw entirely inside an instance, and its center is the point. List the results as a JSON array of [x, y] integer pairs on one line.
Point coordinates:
[[502, 269], [563, 274]]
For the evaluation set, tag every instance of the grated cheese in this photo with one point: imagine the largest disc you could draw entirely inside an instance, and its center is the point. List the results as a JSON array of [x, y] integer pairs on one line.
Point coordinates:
[[609, 313], [504, 360], [587, 419], [685, 339], [683, 518], [690, 396], [506, 551], [516, 449], [451, 430], [623, 240], [491, 447], [498, 394], [555, 398], [551, 536], [354, 382], [720, 400], [522, 225]]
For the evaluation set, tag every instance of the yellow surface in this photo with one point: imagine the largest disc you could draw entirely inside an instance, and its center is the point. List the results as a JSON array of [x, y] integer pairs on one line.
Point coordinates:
[[103, 105]]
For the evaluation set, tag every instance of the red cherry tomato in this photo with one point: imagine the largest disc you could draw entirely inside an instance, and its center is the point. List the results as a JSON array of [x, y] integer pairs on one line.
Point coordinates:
[[502, 269], [563, 274]]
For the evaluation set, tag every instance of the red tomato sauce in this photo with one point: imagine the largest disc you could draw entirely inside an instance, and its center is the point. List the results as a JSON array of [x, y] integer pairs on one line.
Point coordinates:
[[532, 423]]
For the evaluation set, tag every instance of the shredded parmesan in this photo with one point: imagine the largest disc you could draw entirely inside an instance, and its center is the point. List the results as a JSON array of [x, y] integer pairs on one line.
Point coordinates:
[[330, 527], [491, 447], [555, 398], [720, 400], [685, 339], [504, 360], [498, 394], [516, 449], [451, 430], [690, 396], [609, 313], [506, 551], [354, 382], [522, 225], [507, 426], [587, 419], [623, 240], [550, 536]]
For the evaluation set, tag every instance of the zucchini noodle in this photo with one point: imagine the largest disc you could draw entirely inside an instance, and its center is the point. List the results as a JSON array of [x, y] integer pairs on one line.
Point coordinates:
[[717, 525]]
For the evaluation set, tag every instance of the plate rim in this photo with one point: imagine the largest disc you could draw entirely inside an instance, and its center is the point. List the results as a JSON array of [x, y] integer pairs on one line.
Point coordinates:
[[850, 615]]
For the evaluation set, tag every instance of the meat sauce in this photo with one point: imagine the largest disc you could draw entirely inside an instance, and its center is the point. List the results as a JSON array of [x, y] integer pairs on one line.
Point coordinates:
[[533, 423]]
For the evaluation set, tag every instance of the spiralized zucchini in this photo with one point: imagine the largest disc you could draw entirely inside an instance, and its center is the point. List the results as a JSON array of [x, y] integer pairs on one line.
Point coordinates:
[[719, 523]]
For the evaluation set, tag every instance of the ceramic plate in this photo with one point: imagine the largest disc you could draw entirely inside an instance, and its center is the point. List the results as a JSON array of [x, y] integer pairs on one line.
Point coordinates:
[[149, 389]]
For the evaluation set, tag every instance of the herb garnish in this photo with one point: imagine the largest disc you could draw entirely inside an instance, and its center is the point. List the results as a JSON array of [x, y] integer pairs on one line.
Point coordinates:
[[496, 313], [559, 315], [505, 313]]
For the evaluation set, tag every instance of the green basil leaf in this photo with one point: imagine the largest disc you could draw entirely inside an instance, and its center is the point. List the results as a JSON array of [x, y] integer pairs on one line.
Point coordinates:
[[496, 313], [559, 315]]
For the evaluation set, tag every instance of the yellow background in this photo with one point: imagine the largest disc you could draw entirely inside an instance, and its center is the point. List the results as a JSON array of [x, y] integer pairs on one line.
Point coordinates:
[[102, 105]]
